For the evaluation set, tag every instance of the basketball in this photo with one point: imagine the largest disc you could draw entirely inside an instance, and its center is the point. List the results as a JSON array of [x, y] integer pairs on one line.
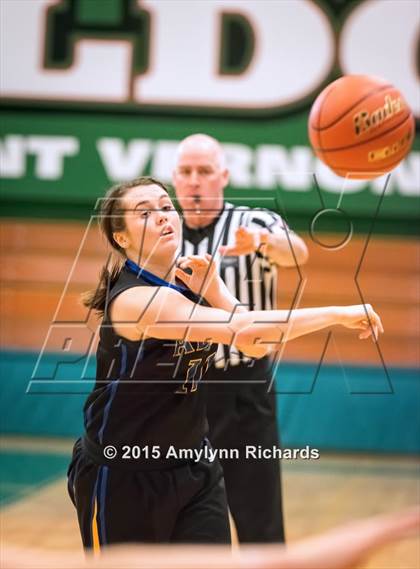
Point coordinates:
[[361, 126]]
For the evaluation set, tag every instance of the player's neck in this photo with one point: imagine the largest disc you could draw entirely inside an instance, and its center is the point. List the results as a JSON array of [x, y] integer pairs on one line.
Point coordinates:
[[164, 269]]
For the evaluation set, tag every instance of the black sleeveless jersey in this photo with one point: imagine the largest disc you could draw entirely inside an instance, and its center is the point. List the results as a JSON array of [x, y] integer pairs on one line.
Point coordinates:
[[146, 392]]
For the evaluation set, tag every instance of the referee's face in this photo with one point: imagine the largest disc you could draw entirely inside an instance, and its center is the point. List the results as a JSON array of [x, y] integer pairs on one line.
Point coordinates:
[[199, 182], [152, 226]]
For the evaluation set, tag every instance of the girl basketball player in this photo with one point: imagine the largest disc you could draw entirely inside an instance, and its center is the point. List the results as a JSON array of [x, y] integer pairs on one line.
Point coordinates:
[[133, 477]]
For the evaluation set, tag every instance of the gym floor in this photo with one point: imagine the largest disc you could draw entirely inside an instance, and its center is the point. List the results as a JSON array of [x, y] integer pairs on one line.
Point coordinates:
[[37, 513]]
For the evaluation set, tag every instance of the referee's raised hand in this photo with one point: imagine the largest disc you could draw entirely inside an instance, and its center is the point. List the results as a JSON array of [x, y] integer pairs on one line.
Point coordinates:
[[247, 241]]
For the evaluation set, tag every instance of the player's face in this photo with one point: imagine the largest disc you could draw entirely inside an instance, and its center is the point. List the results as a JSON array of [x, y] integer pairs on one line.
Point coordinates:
[[199, 182], [153, 227]]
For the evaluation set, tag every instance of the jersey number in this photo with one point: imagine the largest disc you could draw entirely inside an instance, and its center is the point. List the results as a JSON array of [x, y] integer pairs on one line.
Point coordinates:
[[196, 370]]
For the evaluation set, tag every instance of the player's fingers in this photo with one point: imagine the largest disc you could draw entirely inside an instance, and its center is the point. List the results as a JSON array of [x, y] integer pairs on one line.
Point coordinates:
[[374, 328], [183, 276], [194, 262], [365, 328], [375, 324], [185, 264], [198, 259], [365, 334], [370, 329], [375, 318], [372, 332], [211, 265], [378, 322]]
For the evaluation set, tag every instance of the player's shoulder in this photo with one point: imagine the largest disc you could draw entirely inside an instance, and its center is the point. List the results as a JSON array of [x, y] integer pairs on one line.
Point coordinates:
[[154, 299], [133, 301], [139, 297], [140, 300]]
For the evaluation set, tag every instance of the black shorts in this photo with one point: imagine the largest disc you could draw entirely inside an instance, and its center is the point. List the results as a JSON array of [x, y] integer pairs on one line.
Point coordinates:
[[185, 504]]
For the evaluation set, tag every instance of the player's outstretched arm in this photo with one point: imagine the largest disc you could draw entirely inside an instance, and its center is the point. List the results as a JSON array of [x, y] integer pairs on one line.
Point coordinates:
[[161, 312], [205, 281], [274, 326]]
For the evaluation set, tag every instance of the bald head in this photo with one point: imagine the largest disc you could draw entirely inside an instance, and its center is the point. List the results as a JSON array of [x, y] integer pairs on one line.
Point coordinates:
[[200, 177], [203, 144]]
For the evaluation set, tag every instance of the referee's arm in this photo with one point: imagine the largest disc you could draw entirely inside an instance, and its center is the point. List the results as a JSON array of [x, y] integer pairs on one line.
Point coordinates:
[[268, 234], [284, 247]]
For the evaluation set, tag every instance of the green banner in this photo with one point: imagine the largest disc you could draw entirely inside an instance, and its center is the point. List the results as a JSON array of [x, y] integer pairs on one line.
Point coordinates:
[[102, 91], [61, 160]]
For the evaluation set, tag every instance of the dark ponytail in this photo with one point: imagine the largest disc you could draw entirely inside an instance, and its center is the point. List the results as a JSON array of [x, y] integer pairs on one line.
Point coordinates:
[[111, 219]]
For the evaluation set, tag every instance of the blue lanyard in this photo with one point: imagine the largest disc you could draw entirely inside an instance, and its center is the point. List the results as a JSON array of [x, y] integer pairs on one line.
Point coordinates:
[[150, 277]]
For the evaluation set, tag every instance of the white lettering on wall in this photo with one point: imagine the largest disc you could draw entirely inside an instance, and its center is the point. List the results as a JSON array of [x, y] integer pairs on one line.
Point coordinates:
[[274, 166], [239, 160], [12, 156], [290, 168], [330, 182], [121, 160], [164, 160], [404, 180], [49, 152], [101, 70], [292, 56], [185, 45]]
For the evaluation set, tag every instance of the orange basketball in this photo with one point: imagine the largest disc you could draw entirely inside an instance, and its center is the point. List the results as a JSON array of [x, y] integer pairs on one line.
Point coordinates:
[[361, 126]]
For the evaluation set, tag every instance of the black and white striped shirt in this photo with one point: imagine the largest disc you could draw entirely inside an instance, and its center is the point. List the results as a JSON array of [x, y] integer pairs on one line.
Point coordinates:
[[251, 278]]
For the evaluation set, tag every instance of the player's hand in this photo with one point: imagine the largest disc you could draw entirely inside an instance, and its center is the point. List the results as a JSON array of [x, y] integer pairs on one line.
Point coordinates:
[[203, 279], [361, 317], [247, 241], [256, 351]]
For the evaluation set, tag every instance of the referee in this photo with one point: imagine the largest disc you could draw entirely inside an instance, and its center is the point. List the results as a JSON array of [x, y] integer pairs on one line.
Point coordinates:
[[248, 246]]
